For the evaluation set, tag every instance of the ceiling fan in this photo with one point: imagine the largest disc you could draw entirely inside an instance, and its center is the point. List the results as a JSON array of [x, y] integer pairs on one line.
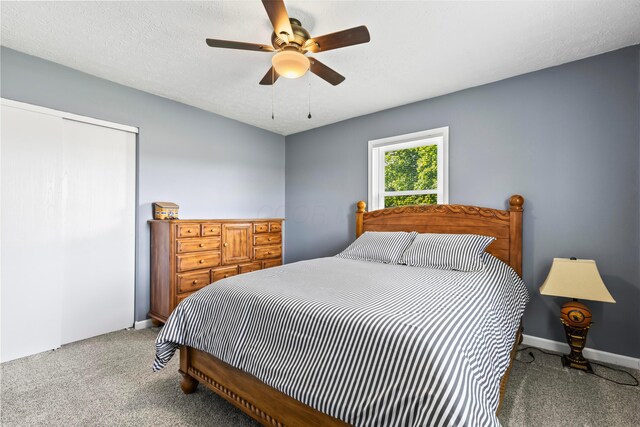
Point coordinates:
[[291, 42]]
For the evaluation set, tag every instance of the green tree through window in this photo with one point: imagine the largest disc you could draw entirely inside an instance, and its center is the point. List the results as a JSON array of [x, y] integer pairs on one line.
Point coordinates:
[[411, 169]]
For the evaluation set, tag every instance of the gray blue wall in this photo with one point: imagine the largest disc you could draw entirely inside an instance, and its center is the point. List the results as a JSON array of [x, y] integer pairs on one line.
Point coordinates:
[[213, 167], [566, 138]]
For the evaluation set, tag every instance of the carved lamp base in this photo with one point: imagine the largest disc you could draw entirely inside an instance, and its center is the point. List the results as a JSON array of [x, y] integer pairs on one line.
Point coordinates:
[[583, 364], [576, 319]]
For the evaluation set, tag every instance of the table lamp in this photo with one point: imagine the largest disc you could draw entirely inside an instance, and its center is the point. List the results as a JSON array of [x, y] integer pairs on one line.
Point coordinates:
[[577, 279]]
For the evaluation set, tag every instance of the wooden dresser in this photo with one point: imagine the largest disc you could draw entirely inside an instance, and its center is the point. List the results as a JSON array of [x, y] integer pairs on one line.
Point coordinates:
[[187, 255]]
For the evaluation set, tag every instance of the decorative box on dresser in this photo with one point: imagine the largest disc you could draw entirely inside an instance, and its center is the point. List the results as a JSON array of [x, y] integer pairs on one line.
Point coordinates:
[[187, 255]]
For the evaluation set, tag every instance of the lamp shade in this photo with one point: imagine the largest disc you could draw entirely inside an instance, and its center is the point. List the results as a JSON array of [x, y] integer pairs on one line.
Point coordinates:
[[290, 63], [575, 278]]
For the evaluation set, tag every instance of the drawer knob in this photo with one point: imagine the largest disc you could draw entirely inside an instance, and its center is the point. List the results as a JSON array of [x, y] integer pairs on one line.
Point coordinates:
[[201, 261], [226, 275], [195, 282], [225, 244], [202, 245], [212, 230], [188, 231]]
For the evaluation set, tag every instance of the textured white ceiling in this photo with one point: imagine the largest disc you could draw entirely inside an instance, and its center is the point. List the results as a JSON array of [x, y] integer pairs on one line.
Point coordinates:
[[418, 50]]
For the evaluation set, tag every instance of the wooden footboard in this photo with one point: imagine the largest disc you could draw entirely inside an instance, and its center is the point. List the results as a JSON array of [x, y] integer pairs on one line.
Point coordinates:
[[261, 402]]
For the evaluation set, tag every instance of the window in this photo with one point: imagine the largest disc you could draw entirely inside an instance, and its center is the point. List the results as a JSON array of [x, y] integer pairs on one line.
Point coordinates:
[[409, 169]]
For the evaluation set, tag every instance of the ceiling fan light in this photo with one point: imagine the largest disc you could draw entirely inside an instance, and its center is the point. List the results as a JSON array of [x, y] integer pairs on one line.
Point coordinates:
[[290, 64]]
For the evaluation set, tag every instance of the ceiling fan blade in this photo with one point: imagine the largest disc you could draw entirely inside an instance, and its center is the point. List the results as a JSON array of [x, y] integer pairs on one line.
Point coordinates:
[[324, 72], [228, 44], [279, 18], [270, 78], [343, 38]]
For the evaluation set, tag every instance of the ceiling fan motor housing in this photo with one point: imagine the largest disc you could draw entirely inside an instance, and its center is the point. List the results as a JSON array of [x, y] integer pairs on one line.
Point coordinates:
[[300, 36]]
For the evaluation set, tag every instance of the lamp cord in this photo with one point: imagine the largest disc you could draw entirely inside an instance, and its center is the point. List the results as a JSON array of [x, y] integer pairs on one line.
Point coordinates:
[[533, 358], [309, 86]]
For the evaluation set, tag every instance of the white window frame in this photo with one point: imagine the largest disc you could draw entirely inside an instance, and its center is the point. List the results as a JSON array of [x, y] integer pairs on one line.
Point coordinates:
[[378, 148]]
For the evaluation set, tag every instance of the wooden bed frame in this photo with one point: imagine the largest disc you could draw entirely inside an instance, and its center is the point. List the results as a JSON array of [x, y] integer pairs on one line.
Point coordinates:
[[271, 407]]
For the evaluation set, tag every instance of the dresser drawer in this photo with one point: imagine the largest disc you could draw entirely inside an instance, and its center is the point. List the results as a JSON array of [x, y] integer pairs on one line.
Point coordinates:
[[267, 252], [271, 263], [267, 239], [223, 273], [180, 297], [191, 282], [197, 261], [188, 230], [211, 229], [247, 268], [275, 227], [260, 227], [197, 245]]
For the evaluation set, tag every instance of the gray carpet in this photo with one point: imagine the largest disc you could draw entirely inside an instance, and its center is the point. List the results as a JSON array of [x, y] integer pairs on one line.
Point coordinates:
[[107, 381], [543, 393]]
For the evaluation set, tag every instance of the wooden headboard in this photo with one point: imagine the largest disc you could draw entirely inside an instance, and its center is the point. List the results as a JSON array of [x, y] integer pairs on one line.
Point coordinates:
[[505, 226]]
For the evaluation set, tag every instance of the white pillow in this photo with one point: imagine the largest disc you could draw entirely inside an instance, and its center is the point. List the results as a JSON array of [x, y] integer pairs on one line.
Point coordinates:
[[461, 252], [379, 246]]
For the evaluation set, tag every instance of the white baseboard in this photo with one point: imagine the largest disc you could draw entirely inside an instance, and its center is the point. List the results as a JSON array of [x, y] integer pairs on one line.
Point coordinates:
[[143, 324], [589, 353]]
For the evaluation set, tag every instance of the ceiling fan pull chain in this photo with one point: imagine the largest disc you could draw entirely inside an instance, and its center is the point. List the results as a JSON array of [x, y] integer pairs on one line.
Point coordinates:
[[309, 83], [273, 77]]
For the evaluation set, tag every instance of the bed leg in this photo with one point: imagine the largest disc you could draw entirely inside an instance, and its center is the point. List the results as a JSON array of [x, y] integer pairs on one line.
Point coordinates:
[[520, 337], [188, 384]]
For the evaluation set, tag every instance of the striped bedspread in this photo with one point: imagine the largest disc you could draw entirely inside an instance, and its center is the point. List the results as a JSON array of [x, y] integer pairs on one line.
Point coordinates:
[[371, 344]]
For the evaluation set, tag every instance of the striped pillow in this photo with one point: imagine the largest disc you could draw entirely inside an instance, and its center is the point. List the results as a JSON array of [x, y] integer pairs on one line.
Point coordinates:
[[379, 246], [461, 252]]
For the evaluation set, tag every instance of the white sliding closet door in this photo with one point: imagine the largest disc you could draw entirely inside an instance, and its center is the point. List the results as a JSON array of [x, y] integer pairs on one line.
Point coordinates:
[[67, 253], [31, 232], [99, 230]]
